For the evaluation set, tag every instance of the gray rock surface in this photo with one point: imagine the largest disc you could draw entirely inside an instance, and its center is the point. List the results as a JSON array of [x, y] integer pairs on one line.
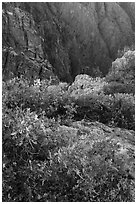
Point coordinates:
[[73, 37]]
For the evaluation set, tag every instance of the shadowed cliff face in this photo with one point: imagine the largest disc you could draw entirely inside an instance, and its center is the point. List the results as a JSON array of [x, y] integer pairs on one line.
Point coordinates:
[[64, 39]]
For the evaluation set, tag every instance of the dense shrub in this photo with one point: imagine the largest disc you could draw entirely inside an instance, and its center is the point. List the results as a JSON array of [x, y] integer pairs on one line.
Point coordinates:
[[123, 69], [29, 145], [113, 109], [42, 163], [96, 171], [101, 103], [107, 99], [87, 83], [40, 96], [123, 110], [116, 87], [121, 52]]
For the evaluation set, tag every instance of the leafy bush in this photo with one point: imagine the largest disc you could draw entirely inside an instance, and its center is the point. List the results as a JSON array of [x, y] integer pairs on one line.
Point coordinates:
[[43, 163], [126, 49], [41, 96], [29, 143], [101, 103], [97, 99], [97, 168], [123, 69], [116, 87], [87, 83], [123, 111], [113, 109]]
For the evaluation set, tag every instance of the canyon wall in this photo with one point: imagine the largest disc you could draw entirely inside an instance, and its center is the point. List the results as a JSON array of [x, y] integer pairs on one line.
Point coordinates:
[[43, 40]]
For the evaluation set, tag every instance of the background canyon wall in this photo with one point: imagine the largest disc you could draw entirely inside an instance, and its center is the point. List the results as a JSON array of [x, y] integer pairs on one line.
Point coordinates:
[[41, 40]]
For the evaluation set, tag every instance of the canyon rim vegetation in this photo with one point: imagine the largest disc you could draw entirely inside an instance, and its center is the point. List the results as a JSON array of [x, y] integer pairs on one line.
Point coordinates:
[[68, 101]]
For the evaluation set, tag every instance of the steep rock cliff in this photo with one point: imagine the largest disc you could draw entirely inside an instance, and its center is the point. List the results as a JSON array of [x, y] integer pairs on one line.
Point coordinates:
[[72, 37], [22, 50]]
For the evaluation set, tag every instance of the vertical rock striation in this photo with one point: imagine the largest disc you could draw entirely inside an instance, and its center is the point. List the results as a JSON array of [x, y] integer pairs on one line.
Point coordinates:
[[66, 39]]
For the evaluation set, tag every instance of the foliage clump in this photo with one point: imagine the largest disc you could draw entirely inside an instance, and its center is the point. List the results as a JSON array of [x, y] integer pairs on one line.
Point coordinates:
[[121, 76], [42, 162], [45, 158], [112, 103], [40, 96]]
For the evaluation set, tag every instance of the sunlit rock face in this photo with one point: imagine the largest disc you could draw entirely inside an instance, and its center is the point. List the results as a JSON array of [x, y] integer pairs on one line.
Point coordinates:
[[22, 49], [73, 37]]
